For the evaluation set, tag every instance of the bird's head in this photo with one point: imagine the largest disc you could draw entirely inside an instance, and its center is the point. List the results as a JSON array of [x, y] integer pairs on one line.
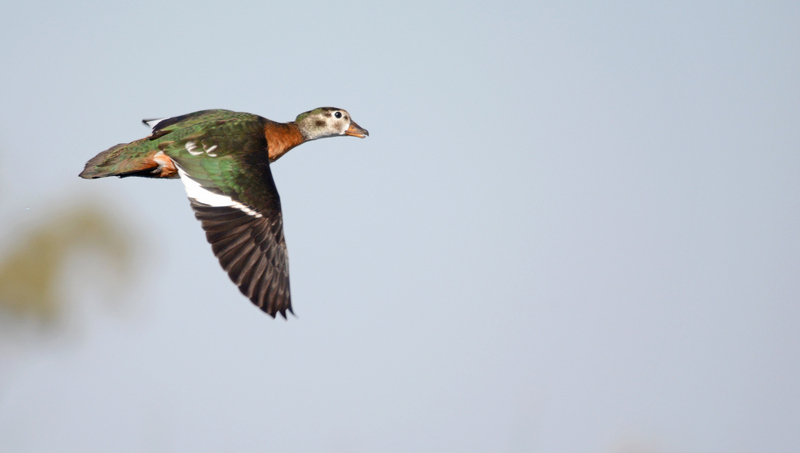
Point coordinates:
[[328, 122]]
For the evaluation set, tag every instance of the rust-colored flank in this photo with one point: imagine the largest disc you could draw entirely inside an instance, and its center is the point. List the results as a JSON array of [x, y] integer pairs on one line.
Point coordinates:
[[281, 137], [165, 165]]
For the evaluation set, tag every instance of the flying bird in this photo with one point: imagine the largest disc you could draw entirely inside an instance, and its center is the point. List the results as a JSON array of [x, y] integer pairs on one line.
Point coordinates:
[[222, 158]]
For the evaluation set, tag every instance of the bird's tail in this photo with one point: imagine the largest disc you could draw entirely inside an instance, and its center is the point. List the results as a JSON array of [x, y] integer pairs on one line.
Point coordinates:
[[126, 159]]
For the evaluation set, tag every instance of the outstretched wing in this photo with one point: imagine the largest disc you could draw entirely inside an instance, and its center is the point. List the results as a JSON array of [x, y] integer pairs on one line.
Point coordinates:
[[253, 252], [225, 171]]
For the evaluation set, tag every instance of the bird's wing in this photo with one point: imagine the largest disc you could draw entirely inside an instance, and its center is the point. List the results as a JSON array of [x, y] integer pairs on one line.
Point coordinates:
[[226, 175]]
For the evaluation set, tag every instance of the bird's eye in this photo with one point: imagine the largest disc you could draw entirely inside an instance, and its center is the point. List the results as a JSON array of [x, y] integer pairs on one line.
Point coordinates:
[[338, 114]]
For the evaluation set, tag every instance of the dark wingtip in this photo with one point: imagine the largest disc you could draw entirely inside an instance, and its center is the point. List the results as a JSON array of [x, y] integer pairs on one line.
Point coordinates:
[[252, 253], [291, 312]]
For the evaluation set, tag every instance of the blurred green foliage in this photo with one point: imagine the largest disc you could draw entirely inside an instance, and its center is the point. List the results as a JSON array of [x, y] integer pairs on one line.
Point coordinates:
[[30, 270]]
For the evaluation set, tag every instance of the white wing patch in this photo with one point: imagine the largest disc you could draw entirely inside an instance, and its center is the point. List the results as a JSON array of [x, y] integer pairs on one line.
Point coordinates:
[[153, 123], [191, 147], [200, 194]]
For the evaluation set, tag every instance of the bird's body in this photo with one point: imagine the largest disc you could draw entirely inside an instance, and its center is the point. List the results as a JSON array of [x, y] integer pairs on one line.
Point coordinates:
[[223, 159]]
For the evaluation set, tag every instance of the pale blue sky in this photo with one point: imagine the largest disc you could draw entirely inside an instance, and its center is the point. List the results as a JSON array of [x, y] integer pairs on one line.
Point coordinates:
[[573, 228]]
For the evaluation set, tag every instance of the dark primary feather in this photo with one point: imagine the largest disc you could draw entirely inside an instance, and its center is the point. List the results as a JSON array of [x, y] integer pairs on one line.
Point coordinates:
[[252, 250]]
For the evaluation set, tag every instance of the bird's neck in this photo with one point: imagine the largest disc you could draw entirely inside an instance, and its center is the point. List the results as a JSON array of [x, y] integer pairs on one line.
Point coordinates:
[[281, 137]]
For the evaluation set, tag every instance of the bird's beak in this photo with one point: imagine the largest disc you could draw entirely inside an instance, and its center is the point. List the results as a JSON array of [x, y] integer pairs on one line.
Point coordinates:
[[356, 131]]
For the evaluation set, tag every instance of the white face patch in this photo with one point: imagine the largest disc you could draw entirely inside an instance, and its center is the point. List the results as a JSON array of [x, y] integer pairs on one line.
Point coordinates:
[[202, 195]]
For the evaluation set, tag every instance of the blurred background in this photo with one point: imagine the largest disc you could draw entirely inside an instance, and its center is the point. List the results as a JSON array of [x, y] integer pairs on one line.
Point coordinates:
[[573, 228]]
